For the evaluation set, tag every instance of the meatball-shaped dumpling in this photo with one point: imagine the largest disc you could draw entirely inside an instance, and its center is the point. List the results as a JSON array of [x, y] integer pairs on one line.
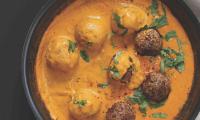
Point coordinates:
[[125, 67], [148, 42], [84, 104], [156, 87], [120, 111], [128, 18], [92, 31], [62, 53]]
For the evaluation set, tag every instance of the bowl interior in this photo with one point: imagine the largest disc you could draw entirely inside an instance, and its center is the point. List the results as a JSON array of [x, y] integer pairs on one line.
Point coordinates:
[[52, 8]]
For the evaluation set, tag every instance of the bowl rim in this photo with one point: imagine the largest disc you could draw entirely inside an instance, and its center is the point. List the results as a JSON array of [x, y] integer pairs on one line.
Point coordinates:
[[26, 45], [44, 9]]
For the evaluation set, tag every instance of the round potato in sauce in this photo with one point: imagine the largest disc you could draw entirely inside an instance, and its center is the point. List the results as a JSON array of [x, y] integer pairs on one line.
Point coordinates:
[[125, 67], [84, 104], [128, 18], [91, 32], [62, 53]]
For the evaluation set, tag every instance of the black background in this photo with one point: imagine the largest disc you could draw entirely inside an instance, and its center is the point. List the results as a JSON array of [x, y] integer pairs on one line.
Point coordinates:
[[15, 19]]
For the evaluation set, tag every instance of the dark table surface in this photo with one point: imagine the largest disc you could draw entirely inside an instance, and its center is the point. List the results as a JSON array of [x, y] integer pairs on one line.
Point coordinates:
[[16, 17]]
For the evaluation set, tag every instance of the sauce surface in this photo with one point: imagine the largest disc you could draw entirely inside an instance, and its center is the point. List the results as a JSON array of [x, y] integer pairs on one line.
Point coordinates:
[[56, 87]]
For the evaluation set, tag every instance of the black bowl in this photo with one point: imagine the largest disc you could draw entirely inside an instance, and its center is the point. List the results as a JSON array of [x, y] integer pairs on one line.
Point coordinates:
[[53, 7]]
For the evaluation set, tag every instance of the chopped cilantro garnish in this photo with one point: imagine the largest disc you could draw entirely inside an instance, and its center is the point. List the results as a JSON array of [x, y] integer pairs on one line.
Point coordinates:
[[117, 20], [154, 7], [143, 102], [170, 34], [103, 85], [113, 70], [80, 103], [159, 22], [172, 59], [159, 115], [116, 57], [84, 56], [72, 46], [139, 98]]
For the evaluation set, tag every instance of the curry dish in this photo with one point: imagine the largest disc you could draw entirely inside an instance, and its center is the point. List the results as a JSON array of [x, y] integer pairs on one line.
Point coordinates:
[[114, 60]]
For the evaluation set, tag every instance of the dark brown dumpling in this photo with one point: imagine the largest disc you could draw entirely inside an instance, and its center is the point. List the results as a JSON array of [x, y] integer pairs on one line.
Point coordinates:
[[120, 111], [156, 87], [148, 42]]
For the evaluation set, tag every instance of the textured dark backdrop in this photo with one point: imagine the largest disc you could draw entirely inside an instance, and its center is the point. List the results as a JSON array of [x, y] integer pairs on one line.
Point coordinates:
[[16, 17]]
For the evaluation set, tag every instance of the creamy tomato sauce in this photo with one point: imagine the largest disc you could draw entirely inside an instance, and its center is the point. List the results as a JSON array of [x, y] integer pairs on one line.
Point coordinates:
[[56, 88]]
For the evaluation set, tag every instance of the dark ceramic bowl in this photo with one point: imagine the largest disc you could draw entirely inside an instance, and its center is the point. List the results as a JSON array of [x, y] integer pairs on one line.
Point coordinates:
[[53, 7]]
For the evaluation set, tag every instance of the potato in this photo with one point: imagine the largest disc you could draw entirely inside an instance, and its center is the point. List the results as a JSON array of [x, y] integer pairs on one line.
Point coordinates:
[[125, 67], [84, 104], [62, 53], [92, 31]]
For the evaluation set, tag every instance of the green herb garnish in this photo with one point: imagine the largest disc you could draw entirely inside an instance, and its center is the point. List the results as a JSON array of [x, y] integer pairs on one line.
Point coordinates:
[[80, 103], [103, 85], [154, 7], [140, 99], [72, 46], [170, 34], [172, 59], [84, 56], [155, 104], [143, 102], [113, 70], [116, 57], [117, 20], [159, 115], [159, 22]]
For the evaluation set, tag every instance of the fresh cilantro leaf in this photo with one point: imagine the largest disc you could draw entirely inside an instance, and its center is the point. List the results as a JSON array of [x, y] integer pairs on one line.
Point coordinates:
[[170, 34], [116, 57], [80, 103], [159, 22], [154, 7], [143, 102], [84, 56], [113, 70], [172, 58], [103, 85], [117, 20], [139, 98], [155, 104], [72, 46], [159, 115]]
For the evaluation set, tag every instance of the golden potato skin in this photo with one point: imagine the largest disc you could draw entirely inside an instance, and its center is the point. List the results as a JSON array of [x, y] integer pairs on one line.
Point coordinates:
[[130, 18], [126, 62], [91, 107], [92, 31], [59, 57]]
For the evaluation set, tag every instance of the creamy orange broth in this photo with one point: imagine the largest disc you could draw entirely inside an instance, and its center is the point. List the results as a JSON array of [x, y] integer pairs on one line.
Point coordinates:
[[55, 87]]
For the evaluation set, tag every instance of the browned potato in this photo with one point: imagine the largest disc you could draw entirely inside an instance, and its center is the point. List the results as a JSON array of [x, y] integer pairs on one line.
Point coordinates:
[[84, 104], [62, 53], [125, 67], [128, 18], [92, 31]]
